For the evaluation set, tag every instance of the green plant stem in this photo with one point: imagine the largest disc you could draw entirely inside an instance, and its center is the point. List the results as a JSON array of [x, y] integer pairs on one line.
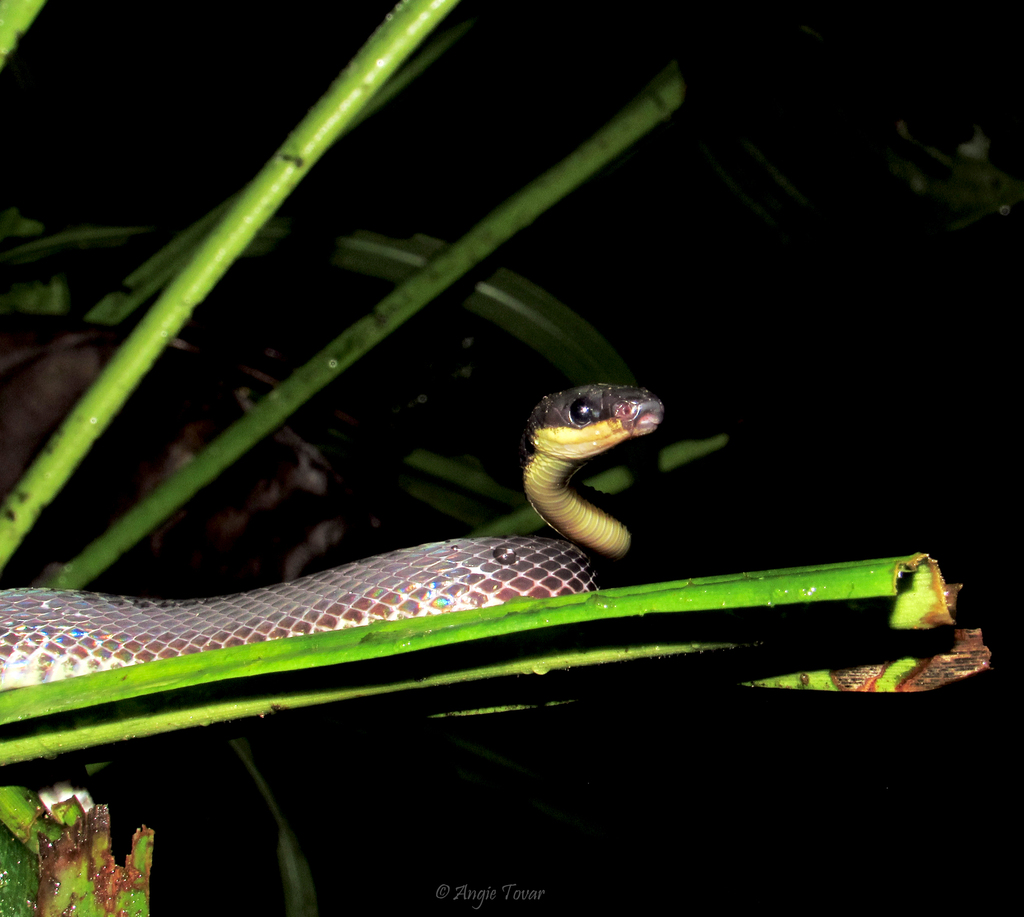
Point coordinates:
[[15, 18], [766, 589], [155, 272], [656, 102], [381, 56], [158, 270], [21, 811], [523, 637]]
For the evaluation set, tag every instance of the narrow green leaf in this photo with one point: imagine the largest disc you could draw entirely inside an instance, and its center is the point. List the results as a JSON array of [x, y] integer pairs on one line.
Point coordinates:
[[126, 722], [22, 814], [661, 97], [506, 299], [15, 18], [76, 238], [381, 56], [12, 223], [568, 341], [19, 877], [156, 271], [38, 297], [155, 697]]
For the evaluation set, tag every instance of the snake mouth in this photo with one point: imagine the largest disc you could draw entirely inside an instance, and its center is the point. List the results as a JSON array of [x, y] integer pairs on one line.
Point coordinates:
[[648, 422], [640, 417]]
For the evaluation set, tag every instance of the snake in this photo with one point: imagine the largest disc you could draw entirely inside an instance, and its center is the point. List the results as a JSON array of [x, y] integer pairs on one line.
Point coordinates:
[[48, 635]]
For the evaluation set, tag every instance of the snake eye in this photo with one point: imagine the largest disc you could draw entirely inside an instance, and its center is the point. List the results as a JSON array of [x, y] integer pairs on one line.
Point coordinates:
[[580, 412]]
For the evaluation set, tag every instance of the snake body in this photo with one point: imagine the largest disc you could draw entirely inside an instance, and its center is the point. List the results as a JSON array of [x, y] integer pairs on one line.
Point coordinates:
[[48, 635]]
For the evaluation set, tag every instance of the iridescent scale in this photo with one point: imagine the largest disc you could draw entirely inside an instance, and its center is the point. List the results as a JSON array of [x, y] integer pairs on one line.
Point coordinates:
[[46, 635]]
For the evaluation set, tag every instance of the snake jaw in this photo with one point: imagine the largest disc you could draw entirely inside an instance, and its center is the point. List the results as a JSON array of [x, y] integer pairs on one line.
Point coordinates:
[[640, 417], [616, 414]]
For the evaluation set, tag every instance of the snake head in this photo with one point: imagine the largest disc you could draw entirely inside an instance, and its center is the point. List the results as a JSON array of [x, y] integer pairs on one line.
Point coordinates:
[[581, 423]]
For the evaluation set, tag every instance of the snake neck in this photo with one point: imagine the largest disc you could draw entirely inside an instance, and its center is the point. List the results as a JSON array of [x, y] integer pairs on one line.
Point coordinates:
[[564, 432], [546, 483]]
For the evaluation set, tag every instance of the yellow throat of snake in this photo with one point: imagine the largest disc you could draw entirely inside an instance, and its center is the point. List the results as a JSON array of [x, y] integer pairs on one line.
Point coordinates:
[[564, 432]]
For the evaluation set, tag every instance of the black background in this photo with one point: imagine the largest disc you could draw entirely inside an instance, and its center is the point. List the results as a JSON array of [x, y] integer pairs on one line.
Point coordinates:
[[851, 346]]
